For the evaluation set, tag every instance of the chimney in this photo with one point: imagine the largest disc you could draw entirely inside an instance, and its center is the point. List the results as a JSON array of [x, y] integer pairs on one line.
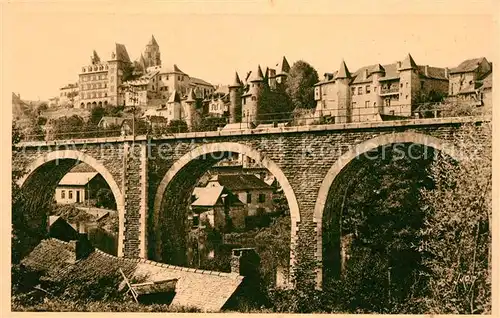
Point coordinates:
[[82, 245], [399, 65], [446, 72], [426, 70], [245, 261], [366, 73]]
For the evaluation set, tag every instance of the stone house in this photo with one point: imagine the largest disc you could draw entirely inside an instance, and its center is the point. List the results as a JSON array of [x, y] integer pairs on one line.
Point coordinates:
[[471, 81], [217, 206], [377, 90], [78, 187], [252, 191]]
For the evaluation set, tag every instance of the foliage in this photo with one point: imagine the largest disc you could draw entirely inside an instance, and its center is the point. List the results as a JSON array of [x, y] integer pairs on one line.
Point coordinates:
[[67, 127], [300, 85], [274, 105], [41, 121], [429, 97], [210, 124], [380, 220], [60, 304], [105, 198], [34, 131], [177, 126], [457, 232], [129, 72]]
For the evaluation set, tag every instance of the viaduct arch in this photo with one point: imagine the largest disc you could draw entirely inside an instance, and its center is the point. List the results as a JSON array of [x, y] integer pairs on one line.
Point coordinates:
[[63, 161], [346, 158], [212, 153]]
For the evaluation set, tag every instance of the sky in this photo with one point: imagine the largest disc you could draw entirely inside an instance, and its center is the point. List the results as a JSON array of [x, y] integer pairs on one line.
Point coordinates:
[[46, 44]]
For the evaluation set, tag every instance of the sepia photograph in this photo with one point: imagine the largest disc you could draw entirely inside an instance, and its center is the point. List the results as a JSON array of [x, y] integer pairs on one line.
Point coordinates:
[[250, 156]]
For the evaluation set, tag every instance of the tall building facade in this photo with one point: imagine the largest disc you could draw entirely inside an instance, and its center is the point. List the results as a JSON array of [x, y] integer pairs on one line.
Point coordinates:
[[99, 81], [375, 91]]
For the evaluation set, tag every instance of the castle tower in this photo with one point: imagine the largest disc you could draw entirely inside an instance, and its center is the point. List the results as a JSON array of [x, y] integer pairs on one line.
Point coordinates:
[[282, 70], [235, 100], [152, 53], [343, 79], [191, 114], [174, 106], [409, 85], [118, 59], [377, 73], [250, 106]]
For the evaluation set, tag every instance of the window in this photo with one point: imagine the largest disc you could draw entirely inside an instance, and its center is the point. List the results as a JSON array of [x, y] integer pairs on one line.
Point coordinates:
[[367, 89], [387, 102], [401, 85], [406, 84], [360, 90], [353, 90], [70, 194], [391, 112], [353, 104], [406, 96], [262, 198], [63, 194], [254, 98], [178, 77], [367, 103], [196, 220], [249, 197]]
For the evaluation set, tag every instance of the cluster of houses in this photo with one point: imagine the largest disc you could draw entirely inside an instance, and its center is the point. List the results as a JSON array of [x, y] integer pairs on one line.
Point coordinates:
[[164, 93]]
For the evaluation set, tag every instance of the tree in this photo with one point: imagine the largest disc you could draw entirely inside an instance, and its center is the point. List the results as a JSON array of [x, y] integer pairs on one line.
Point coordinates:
[[300, 85], [457, 233], [96, 114], [105, 198], [274, 106], [210, 124], [177, 126]]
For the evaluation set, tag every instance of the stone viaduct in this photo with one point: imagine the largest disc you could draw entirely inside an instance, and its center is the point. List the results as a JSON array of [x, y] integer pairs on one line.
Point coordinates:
[[152, 178]]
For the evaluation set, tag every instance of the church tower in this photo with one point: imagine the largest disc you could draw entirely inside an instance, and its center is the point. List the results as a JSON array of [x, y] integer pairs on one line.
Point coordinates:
[[152, 53]]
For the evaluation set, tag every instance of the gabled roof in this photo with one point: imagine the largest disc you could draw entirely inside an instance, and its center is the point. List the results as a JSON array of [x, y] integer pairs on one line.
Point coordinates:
[[110, 120], [199, 81], [203, 289], [343, 71], [174, 97], [432, 72], [207, 196], [256, 76], [238, 182], [77, 178], [82, 167], [408, 63], [469, 65]]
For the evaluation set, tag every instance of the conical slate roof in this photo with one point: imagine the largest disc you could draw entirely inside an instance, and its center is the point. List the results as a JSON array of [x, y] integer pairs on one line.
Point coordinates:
[[153, 41], [95, 57], [343, 71], [174, 97], [257, 75], [191, 96], [378, 69], [408, 63], [237, 81]]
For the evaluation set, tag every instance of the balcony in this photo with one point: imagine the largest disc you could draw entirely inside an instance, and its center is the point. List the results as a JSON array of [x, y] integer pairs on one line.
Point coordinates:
[[389, 91]]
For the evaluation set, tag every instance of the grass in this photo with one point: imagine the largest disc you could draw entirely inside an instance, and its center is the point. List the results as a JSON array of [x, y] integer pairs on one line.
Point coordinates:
[[63, 305]]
